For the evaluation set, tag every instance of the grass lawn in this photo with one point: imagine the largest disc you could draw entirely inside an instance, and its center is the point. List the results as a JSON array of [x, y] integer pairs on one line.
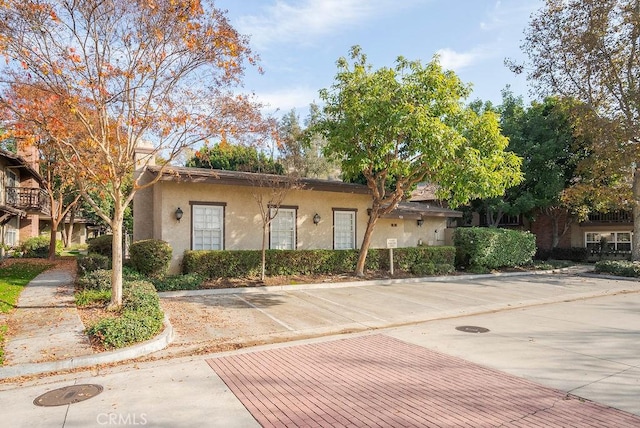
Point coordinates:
[[13, 278]]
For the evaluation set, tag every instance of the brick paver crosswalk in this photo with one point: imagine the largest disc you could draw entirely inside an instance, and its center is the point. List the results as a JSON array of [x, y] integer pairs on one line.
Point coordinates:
[[379, 381]]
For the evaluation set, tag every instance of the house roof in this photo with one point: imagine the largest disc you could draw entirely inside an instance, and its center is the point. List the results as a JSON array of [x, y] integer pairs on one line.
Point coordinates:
[[240, 178], [19, 162], [412, 210], [417, 210]]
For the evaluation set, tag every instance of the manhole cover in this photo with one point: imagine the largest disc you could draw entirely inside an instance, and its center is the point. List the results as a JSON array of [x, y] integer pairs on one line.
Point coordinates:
[[472, 329], [67, 395]]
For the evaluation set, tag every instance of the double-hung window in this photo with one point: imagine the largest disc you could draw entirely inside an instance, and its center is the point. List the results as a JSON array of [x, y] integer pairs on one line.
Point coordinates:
[[207, 227], [344, 229], [283, 228]]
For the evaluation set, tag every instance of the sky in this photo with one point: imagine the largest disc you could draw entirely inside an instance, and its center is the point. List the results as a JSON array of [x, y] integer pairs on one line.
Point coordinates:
[[299, 42]]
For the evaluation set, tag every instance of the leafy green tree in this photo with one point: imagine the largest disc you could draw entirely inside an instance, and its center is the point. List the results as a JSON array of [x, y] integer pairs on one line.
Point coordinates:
[[231, 157], [301, 149], [589, 50], [408, 124]]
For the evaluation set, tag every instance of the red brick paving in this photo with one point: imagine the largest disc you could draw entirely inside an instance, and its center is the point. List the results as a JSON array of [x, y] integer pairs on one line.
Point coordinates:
[[379, 381]]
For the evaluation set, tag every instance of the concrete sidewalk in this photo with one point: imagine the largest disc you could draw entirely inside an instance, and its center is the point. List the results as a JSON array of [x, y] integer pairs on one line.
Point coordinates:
[[45, 325], [563, 355]]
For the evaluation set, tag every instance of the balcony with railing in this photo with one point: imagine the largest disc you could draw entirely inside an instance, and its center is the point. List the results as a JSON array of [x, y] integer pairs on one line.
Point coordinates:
[[28, 199], [612, 217]]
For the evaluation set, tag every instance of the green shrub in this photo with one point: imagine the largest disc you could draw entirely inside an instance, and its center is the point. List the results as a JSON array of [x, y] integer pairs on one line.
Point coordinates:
[[140, 318], [619, 268], [575, 254], [129, 328], [89, 297], [100, 245], [189, 281], [246, 263], [99, 279], [92, 262], [490, 248], [150, 256], [38, 247]]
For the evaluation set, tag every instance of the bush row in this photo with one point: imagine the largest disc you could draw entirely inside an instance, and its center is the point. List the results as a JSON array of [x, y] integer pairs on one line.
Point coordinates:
[[38, 247], [479, 248], [575, 254], [247, 263], [619, 268]]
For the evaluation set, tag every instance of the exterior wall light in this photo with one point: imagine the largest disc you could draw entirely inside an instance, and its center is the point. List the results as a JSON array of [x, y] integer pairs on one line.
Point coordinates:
[[179, 214], [316, 219], [420, 222]]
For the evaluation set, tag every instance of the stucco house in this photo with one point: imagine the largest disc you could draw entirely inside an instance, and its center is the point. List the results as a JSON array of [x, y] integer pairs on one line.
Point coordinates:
[[193, 208], [24, 205]]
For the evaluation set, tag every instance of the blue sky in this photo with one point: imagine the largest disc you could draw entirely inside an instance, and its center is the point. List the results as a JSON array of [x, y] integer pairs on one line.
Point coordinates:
[[299, 41]]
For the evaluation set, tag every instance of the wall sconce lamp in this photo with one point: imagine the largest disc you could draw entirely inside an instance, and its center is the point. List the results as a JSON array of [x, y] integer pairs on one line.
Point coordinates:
[[179, 214], [316, 219], [420, 222]]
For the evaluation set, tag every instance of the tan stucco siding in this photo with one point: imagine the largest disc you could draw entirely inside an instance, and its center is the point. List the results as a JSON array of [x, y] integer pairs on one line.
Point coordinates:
[[243, 224]]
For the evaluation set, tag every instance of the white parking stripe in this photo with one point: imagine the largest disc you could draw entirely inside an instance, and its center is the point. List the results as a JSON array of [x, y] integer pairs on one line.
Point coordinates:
[[285, 325]]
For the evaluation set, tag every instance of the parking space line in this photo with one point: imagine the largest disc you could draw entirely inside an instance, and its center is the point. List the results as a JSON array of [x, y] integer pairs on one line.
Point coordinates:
[[282, 323]]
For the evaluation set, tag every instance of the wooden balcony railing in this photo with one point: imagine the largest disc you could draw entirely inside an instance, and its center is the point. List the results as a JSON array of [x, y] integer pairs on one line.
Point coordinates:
[[611, 217], [28, 199]]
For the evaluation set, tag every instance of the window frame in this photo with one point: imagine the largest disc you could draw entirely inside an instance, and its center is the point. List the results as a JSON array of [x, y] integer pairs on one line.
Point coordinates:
[[354, 232], [613, 245], [222, 206], [294, 231]]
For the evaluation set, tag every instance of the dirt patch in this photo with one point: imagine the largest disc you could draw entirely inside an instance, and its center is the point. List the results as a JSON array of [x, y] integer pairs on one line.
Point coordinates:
[[299, 279]]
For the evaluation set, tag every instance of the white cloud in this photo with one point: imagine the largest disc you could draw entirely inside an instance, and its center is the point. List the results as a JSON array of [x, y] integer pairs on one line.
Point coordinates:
[[304, 21], [452, 60], [288, 98]]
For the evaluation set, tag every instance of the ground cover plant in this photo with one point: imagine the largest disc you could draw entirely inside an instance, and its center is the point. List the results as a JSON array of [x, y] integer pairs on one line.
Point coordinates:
[[13, 278], [619, 268]]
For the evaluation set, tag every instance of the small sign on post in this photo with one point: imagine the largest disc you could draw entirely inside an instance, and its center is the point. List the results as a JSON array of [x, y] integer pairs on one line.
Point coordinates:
[[391, 244]]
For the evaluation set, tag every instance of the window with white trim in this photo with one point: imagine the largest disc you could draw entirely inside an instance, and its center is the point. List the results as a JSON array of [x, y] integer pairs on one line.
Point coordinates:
[[283, 229], [207, 227], [11, 233], [344, 230], [614, 241]]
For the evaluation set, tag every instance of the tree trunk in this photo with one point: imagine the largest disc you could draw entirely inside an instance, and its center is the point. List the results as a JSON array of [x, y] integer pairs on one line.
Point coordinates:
[[52, 240], [554, 232], [366, 242], [116, 254], [264, 248], [635, 244], [69, 230]]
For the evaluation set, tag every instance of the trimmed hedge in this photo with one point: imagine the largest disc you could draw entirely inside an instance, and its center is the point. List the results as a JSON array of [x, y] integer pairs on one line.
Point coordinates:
[[619, 268], [140, 318], [574, 254], [247, 263], [150, 256], [38, 247], [481, 248], [100, 245], [92, 262]]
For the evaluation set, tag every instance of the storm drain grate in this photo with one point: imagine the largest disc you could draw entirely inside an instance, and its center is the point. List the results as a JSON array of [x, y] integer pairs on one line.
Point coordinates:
[[68, 395], [472, 329]]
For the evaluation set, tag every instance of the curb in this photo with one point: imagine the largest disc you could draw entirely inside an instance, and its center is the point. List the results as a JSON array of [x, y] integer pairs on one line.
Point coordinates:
[[329, 285], [152, 345]]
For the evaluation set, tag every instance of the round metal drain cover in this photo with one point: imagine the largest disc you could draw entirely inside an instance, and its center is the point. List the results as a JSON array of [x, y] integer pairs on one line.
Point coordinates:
[[68, 395], [472, 329]]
